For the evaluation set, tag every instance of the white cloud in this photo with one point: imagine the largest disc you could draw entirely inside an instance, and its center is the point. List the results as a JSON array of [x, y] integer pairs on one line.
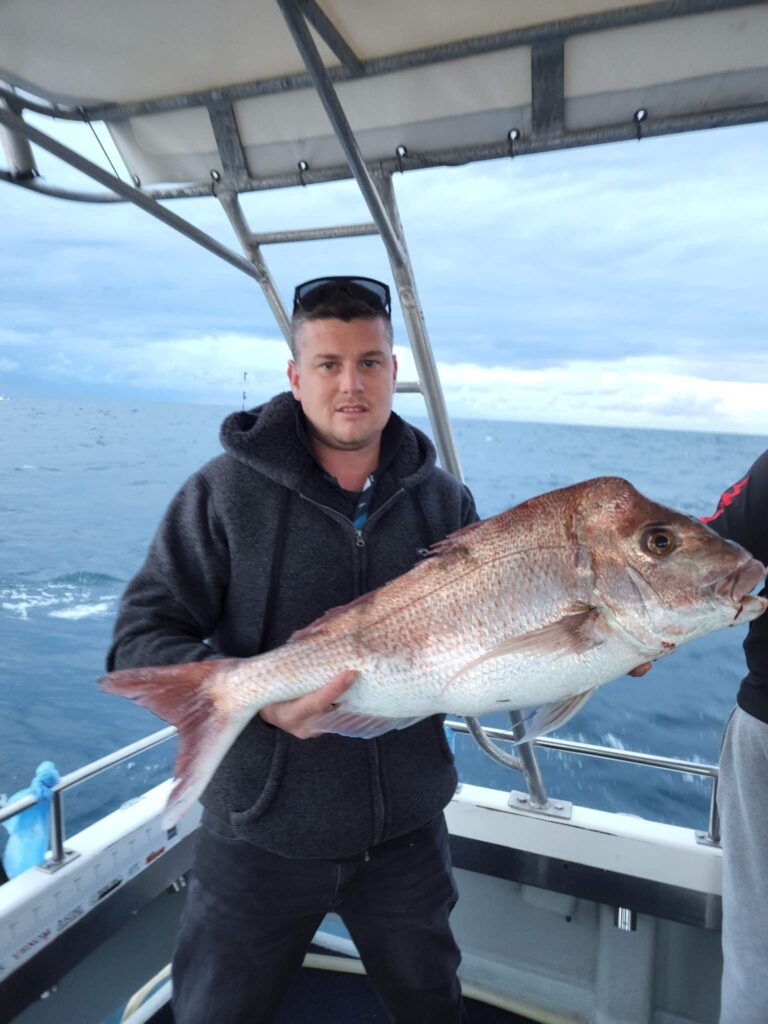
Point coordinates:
[[641, 391], [645, 391], [638, 392], [209, 368]]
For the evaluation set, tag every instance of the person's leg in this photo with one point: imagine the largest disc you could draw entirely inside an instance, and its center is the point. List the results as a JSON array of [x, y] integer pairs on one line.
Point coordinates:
[[248, 920], [744, 816], [396, 908]]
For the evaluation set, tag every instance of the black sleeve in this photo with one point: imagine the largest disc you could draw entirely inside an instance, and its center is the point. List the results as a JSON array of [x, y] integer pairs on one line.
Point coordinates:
[[742, 512], [174, 602]]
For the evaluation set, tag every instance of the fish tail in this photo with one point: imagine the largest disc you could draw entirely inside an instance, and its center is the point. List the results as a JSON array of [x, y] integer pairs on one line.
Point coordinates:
[[185, 696]]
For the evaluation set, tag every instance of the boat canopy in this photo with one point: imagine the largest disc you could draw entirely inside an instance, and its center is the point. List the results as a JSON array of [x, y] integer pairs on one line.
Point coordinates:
[[196, 90]]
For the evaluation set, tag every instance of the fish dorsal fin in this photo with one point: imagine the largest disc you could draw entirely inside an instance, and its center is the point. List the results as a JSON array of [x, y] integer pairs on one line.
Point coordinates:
[[575, 633], [543, 719], [456, 540], [350, 723]]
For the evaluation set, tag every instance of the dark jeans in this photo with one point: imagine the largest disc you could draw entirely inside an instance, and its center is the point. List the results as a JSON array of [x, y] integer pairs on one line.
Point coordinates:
[[250, 916]]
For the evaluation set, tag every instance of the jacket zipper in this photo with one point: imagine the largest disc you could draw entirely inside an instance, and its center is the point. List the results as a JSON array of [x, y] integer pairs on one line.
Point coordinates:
[[377, 788], [360, 543], [360, 560]]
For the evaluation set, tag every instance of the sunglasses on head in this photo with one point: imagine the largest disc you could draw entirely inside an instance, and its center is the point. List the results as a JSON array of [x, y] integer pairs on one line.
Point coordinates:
[[311, 294]]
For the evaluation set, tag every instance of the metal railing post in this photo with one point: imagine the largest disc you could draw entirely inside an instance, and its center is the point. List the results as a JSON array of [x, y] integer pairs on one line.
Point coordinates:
[[712, 836], [667, 764], [57, 828], [530, 766], [59, 855], [478, 734]]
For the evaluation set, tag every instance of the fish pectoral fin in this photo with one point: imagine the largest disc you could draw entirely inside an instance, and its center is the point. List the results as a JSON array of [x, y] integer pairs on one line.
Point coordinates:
[[366, 727], [575, 633], [543, 719]]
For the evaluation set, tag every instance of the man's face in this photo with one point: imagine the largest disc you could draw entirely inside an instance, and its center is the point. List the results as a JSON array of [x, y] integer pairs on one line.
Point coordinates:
[[344, 377]]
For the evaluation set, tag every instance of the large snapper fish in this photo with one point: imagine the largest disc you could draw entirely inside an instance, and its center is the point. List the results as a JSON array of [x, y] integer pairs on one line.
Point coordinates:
[[531, 609]]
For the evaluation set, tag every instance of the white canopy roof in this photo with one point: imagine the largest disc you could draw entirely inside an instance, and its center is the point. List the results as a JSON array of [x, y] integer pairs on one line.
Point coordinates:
[[446, 79]]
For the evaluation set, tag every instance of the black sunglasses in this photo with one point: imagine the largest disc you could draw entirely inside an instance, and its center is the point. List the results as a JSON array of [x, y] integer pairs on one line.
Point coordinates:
[[311, 294]]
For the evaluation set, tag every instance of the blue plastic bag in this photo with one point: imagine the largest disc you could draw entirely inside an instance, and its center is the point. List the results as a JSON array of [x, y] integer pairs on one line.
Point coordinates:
[[30, 831]]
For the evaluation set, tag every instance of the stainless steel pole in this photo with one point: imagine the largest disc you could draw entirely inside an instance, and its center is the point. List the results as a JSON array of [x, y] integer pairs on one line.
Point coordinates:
[[713, 829], [133, 195], [501, 757], [417, 333], [57, 828], [18, 151], [333, 108], [233, 209], [530, 767]]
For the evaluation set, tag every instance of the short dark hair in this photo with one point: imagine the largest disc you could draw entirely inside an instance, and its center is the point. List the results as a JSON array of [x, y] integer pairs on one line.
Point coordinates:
[[338, 307]]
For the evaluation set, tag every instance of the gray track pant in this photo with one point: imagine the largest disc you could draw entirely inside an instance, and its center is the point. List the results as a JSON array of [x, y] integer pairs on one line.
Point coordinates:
[[743, 805]]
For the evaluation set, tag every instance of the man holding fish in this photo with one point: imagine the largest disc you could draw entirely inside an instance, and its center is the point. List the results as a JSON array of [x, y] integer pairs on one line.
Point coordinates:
[[323, 496]]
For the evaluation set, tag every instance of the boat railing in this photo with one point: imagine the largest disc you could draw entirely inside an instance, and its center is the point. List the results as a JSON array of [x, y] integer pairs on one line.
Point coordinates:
[[536, 800], [88, 771]]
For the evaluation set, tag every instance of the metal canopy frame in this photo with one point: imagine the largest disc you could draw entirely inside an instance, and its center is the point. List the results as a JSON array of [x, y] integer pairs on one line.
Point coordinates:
[[548, 132]]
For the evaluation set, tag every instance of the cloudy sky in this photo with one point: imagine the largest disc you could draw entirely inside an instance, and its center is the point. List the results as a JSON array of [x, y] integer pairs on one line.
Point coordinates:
[[620, 285]]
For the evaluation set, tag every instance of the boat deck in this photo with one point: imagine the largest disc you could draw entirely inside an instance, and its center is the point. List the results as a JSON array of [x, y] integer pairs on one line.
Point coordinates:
[[326, 997], [329, 997]]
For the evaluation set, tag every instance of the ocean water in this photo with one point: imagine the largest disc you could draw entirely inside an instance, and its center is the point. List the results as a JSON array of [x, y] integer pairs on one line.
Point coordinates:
[[83, 485]]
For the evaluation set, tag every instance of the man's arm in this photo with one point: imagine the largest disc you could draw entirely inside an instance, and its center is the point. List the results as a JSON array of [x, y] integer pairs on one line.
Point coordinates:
[[174, 602], [741, 511]]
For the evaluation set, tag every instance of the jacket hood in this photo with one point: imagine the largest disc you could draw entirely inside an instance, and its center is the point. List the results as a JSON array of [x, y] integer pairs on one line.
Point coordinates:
[[269, 440]]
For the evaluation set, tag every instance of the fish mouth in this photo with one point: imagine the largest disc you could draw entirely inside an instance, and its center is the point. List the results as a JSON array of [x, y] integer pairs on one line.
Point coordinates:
[[737, 586]]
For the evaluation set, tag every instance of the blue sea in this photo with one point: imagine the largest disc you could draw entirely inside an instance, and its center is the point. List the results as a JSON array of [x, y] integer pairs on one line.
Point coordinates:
[[83, 485]]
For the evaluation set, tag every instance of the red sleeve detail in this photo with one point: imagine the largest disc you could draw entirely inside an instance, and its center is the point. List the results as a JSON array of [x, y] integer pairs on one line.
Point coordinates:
[[727, 498]]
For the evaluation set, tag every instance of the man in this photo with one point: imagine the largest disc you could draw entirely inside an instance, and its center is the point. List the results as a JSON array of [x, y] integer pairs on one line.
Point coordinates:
[[742, 515], [321, 495]]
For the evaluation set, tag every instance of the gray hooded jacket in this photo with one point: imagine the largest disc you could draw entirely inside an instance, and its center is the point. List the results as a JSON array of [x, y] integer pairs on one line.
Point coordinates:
[[257, 544]]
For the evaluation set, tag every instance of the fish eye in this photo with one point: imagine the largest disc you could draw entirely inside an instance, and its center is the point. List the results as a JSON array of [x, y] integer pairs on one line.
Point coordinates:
[[657, 540]]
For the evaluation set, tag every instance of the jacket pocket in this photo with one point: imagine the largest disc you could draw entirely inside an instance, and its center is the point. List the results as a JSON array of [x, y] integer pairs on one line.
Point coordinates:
[[272, 782]]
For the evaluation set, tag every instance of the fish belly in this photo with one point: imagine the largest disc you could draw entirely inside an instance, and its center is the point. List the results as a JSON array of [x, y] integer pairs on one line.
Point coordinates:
[[501, 683]]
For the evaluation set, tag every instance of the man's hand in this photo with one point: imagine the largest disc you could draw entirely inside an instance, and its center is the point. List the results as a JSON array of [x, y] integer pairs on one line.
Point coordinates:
[[297, 716], [641, 669]]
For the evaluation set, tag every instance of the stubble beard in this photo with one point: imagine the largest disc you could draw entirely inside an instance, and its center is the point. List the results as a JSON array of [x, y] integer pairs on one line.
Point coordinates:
[[347, 444]]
